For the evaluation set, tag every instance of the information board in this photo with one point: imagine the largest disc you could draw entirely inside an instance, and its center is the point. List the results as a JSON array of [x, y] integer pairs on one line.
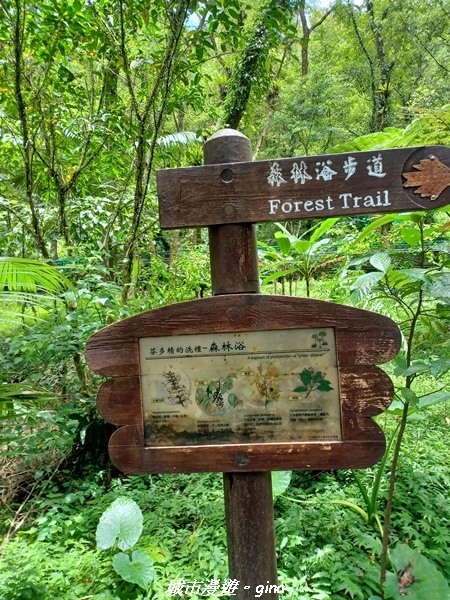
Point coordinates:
[[244, 382], [240, 387]]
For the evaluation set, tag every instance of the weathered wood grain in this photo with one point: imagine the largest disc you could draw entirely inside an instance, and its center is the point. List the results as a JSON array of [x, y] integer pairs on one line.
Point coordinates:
[[130, 456], [119, 401], [240, 192], [364, 391], [362, 337]]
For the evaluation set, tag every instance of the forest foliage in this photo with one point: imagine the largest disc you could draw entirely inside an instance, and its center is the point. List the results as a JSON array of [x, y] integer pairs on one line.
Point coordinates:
[[95, 96]]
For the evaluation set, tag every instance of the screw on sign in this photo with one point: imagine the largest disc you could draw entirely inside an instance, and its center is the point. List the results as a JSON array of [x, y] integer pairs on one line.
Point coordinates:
[[245, 383]]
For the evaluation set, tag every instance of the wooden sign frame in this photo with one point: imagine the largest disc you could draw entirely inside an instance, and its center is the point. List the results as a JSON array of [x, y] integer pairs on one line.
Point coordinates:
[[363, 339]]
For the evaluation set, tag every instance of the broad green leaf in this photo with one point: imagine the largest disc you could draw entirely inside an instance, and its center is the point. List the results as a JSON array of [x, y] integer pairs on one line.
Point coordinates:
[[320, 243], [138, 570], [286, 231], [227, 385], [441, 287], [436, 398], [283, 242], [306, 376], [418, 367], [122, 521], [439, 366], [417, 274], [366, 282], [424, 581], [233, 400], [324, 386], [280, 482], [300, 389], [410, 235], [302, 246], [381, 261], [397, 407]]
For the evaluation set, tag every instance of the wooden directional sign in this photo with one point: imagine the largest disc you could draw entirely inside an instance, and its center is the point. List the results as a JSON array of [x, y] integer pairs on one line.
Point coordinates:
[[404, 179], [245, 382]]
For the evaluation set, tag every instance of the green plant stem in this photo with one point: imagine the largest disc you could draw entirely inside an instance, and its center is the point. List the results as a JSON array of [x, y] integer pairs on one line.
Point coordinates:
[[396, 455], [388, 511]]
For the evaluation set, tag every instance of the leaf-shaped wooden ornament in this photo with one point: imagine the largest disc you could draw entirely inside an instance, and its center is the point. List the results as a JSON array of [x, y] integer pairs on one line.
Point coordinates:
[[432, 176]]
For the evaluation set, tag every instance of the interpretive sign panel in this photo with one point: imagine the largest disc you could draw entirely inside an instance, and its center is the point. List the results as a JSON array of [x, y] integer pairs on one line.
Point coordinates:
[[245, 382], [240, 387], [403, 179]]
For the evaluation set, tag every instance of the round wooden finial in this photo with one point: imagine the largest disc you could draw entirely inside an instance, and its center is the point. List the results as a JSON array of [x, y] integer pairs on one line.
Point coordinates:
[[227, 145]]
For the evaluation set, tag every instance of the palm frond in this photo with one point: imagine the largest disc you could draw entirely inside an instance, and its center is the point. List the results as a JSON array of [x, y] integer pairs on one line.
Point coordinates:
[[31, 276], [180, 138]]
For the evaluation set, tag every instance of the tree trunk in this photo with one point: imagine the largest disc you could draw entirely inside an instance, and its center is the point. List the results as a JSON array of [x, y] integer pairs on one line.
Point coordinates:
[[18, 36]]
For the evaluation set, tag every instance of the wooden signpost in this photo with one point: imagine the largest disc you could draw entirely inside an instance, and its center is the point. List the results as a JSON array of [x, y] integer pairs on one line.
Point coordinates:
[[399, 180], [245, 384]]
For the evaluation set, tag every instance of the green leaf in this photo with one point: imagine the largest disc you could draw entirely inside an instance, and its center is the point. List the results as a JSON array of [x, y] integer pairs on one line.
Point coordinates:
[[278, 275], [25, 275], [280, 482], [364, 284], [227, 384], [22, 392], [324, 386], [441, 287], [283, 242], [179, 140], [138, 570], [121, 521], [416, 274], [418, 367], [409, 396], [233, 400], [323, 228], [300, 389], [376, 225], [397, 408], [381, 261], [425, 581], [439, 366], [302, 246], [436, 398], [410, 235], [306, 377]]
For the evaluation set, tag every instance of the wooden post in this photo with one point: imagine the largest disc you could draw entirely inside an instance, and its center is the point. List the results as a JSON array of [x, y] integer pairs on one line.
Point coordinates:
[[248, 496]]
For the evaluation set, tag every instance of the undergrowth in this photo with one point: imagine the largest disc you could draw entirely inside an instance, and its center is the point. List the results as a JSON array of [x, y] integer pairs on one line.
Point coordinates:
[[325, 551]]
